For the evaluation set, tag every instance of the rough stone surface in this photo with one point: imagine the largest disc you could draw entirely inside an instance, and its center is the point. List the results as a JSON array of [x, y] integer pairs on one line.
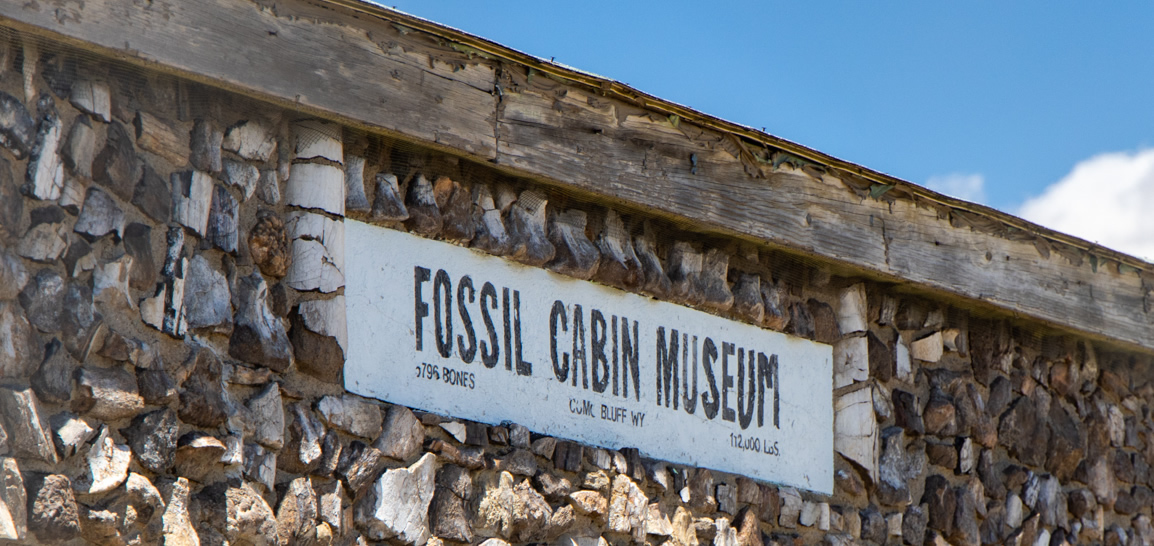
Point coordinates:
[[297, 513], [165, 309], [207, 302], [45, 177], [177, 528], [747, 301], [302, 451], [575, 255], [791, 505], [458, 218], [70, 433], [268, 245], [352, 415], [107, 465], [11, 202], [712, 284], [236, 512], [202, 401], [28, 433], [265, 418], [402, 434], [99, 216], [258, 336], [424, 214], [387, 203], [320, 337], [359, 464], [46, 238], [13, 275], [397, 505], [490, 235], [198, 456], [242, 176], [268, 187], [223, 228], [80, 150], [53, 514], [940, 415], [260, 466], [192, 199], [152, 437], [567, 456], [13, 502], [17, 128], [43, 300], [116, 166], [1020, 432], [18, 346], [157, 136], [138, 244], [914, 522], [525, 224], [110, 285], [250, 139], [204, 143], [941, 502], [355, 199], [628, 508], [108, 394], [93, 97]]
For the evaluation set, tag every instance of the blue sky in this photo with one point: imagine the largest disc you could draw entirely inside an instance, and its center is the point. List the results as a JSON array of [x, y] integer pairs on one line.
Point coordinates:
[[998, 101]]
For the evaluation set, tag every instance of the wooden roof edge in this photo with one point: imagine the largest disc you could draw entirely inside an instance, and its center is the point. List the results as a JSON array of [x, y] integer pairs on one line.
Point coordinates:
[[237, 39], [628, 93]]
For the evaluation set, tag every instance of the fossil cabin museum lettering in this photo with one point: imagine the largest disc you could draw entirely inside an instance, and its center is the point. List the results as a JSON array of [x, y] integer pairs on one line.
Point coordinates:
[[452, 331], [321, 272]]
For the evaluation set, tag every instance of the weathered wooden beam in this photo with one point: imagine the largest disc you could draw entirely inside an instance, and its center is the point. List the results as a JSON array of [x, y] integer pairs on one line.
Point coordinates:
[[334, 61], [619, 152], [373, 68]]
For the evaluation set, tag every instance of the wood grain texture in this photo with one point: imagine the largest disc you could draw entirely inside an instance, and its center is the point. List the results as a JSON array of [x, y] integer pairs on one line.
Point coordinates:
[[298, 52], [581, 140], [360, 67]]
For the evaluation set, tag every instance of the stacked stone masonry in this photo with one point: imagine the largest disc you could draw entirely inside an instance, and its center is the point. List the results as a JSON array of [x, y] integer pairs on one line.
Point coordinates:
[[172, 336]]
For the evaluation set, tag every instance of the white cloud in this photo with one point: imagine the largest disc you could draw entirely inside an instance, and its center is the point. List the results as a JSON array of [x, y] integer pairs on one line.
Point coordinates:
[[1108, 199], [970, 187]]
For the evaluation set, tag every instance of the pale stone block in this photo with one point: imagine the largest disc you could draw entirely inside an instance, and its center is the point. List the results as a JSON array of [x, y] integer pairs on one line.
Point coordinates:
[[855, 428], [928, 349], [850, 361], [46, 168], [894, 525], [327, 318], [317, 227], [94, 98], [315, 138], [316, 186], [192, 199], [903, 366], [251, 140], [851, 310]]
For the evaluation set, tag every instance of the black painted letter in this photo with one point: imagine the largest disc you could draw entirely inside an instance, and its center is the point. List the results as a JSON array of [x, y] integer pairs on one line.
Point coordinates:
[[490, 352], [420, 308], [470, 352], [600, 362], [560, 366]]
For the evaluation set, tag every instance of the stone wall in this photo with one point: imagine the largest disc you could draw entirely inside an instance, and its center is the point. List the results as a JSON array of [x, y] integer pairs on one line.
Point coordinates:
[[172, 336]]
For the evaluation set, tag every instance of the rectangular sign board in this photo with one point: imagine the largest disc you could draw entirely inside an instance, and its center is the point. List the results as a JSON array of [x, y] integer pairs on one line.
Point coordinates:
[[456, 332]]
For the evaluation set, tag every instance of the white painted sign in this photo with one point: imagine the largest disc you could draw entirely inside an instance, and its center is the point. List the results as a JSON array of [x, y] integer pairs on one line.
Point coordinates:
[[452, 331]]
